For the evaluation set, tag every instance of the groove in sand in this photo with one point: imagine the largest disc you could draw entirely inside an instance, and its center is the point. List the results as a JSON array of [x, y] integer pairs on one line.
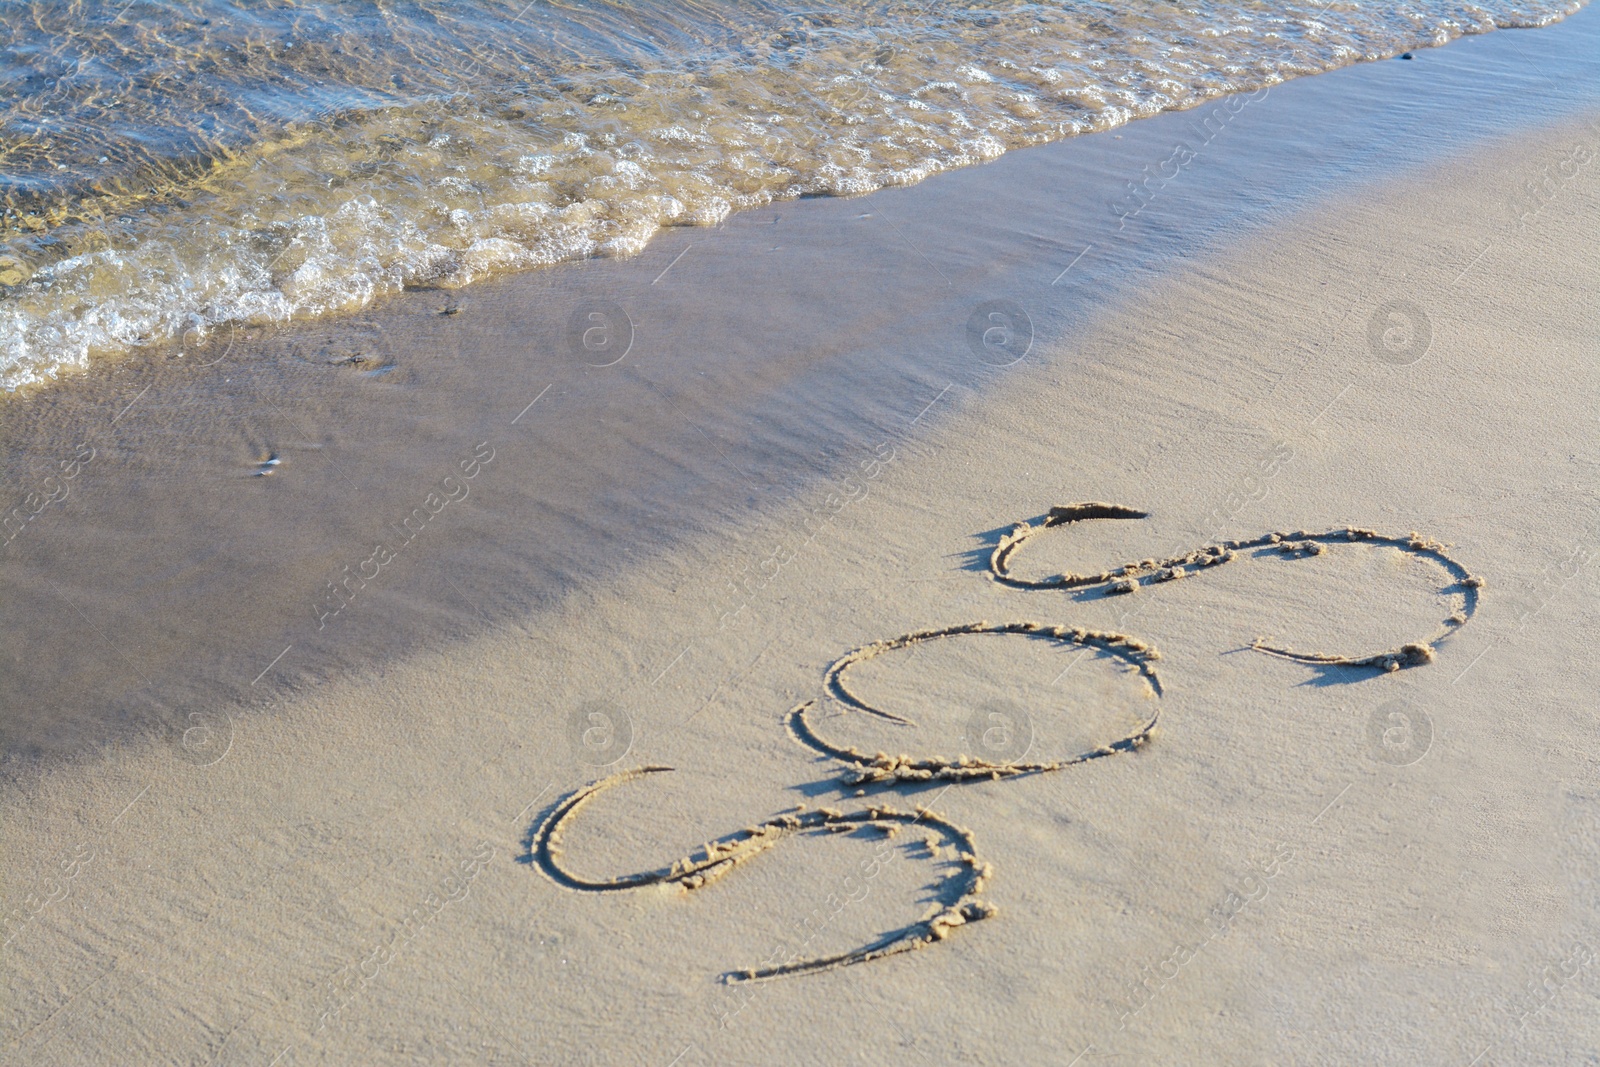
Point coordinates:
[[959, 901]]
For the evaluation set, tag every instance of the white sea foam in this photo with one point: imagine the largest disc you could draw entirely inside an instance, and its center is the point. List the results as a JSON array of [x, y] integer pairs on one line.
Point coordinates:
[[216, 167]]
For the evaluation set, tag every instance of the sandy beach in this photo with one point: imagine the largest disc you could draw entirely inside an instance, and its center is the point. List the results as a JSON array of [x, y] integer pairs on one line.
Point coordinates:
[[334, 623]]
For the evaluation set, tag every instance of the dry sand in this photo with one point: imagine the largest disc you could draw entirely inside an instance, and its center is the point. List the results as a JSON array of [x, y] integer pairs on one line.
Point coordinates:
[[336, 862]]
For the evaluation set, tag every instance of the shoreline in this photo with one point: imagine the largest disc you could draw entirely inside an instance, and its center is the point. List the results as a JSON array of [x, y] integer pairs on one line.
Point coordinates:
[[670, 549], [366, 413], [126, 304]]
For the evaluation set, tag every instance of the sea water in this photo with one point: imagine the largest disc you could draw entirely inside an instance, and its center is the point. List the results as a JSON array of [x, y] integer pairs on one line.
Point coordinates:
[[169, 168]]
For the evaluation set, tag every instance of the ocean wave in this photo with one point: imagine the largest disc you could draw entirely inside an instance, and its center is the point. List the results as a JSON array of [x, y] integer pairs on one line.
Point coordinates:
[[171, 167]]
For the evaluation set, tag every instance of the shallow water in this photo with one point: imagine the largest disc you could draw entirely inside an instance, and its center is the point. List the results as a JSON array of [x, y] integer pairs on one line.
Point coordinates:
[[169, 167]]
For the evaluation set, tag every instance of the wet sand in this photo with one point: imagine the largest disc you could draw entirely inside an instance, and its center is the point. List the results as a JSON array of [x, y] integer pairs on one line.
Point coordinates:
[[281, 737]]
